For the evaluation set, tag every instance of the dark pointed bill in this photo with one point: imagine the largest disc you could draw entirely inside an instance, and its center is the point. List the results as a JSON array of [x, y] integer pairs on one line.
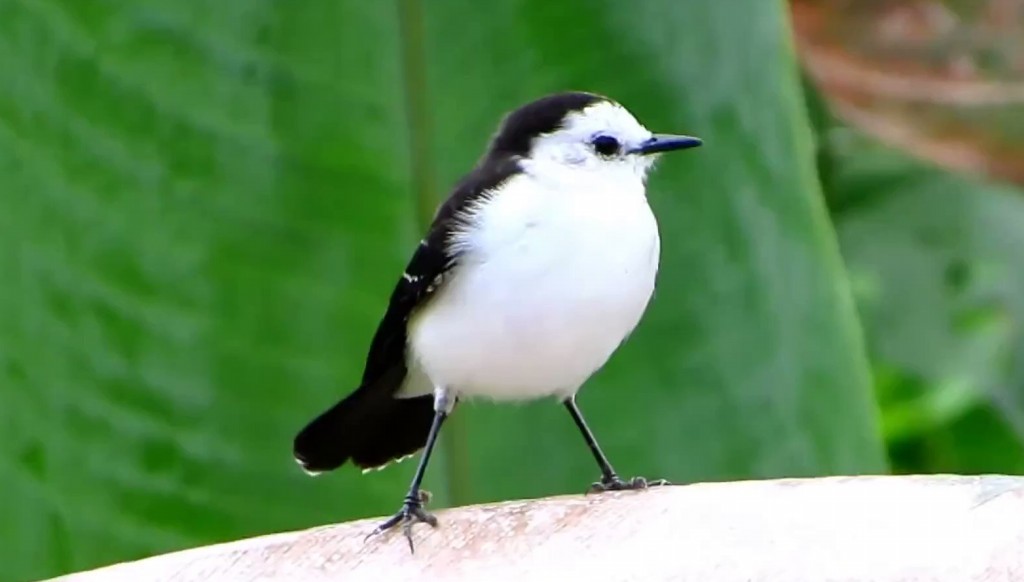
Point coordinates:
[[663, 142]]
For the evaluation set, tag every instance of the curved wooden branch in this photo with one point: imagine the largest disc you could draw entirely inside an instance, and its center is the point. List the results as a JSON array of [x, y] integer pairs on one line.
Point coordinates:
[[933, 528]]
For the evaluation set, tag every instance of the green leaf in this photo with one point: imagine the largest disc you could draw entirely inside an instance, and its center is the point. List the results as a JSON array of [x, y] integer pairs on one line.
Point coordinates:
[[938, 264], [205, 206]]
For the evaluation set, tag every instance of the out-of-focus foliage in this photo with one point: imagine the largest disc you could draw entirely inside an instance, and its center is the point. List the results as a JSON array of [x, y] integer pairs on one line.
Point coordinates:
[[940, 79], [205, 205], [937, 262], [936, 258]]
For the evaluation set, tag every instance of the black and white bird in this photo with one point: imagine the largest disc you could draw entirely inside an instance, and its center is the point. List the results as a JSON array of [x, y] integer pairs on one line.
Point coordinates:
[[534, 271]]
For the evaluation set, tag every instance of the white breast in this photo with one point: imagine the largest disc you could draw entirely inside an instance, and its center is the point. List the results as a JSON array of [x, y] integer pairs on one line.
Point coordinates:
[[551, 280]]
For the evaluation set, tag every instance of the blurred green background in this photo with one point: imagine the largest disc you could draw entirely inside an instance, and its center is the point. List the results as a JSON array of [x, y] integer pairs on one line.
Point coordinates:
[[204, 205]]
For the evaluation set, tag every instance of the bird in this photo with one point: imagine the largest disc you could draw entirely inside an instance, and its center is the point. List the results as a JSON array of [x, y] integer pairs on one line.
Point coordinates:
[[534, 270]]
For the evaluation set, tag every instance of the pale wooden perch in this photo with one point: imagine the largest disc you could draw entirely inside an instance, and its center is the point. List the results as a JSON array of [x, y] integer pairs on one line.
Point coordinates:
[[941, 528]]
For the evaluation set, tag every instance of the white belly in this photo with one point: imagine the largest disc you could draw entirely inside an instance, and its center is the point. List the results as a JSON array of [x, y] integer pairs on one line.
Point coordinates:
[[549, 285]]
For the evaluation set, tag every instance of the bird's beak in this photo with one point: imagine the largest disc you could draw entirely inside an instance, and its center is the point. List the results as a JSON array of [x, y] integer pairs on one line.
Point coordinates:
[[663, 142]]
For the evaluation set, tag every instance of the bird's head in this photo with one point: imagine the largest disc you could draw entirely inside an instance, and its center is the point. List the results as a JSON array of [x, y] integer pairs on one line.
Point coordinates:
[[582, 132]]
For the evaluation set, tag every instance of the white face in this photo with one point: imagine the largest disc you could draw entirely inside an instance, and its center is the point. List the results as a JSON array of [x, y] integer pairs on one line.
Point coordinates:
[[597, 139]]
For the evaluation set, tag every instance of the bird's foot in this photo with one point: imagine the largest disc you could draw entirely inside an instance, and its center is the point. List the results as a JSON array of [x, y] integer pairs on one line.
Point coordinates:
[[412, 512], [616, 483]]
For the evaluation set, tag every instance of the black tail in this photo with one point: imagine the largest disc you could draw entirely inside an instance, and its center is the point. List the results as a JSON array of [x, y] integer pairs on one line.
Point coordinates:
[[370, 427]]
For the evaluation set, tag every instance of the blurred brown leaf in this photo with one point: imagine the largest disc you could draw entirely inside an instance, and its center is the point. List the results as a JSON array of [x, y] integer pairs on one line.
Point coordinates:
[[941, 80]]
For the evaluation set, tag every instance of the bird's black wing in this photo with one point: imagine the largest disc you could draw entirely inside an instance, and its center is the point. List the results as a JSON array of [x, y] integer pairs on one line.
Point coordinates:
[[371, 426], [423, 276]]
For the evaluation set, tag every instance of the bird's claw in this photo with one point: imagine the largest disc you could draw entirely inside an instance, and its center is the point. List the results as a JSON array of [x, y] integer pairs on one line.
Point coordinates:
[[412, 512], [616, 483]]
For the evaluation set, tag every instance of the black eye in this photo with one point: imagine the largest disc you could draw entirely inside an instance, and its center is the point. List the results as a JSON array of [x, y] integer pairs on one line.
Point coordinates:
[[606, 145]]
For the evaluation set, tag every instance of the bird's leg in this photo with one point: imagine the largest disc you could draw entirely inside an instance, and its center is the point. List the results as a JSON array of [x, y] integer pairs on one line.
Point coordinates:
[[412, 511], [610, 480]]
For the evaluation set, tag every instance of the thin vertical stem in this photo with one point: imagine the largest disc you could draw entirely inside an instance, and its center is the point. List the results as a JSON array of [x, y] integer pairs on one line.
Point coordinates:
[[414, 76]]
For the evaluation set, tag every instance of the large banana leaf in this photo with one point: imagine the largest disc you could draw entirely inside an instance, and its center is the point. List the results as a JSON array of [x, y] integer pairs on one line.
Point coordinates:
[[203, 206]]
